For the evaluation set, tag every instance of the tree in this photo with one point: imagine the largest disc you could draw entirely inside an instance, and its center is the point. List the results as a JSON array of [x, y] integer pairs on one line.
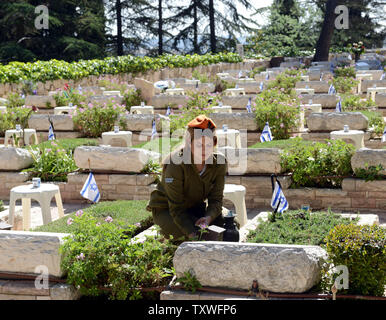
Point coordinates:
[[324, 42]]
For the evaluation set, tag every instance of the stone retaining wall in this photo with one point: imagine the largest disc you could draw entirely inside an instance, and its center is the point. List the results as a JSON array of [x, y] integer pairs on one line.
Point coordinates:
[[355, 194]]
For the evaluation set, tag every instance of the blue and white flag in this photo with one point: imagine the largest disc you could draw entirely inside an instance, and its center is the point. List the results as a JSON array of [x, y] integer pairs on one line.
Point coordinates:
[[261, 86], [384, 136], [51, 135], [153, 130], [266, 135], [383, 76], [331, 89], [168, 111], [279, 201], [267, 76], [338, 107], [249, 106], [321, 76], [90, 189], [350, 57], [240, 74]]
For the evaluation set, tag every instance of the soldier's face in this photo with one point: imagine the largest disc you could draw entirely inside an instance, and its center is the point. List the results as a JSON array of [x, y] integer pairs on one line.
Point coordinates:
[[202, 149]]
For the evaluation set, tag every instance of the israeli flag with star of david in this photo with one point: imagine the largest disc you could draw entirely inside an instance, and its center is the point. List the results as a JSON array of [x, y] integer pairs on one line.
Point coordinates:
[[278, 201], [383, 76], [331, 89], [267, 76], [153, 130], [384, 136], [168, 111], [261, 86], [90, 189], [51, 135], [266, 135], [338, 107], [249, 108]]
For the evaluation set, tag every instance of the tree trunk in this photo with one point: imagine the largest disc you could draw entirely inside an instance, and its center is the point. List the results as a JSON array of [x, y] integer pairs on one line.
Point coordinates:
[[324, 42], [160, 41], [212, 27], [118, 8], [195, 26]]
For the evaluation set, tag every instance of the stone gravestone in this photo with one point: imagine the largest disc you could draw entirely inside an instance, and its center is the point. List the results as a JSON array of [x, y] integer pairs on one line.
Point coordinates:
[[240, 50]]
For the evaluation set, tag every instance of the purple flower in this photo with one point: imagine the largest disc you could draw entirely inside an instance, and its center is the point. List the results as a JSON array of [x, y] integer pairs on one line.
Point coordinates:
[[137, 224], [203, 225], [98, 224], [109, 219], [80, 257], [79, 213], [70, 221], [282, 125]]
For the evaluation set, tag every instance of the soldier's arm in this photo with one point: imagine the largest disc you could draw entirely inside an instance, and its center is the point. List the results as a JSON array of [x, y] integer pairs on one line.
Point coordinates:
[[174, 186]]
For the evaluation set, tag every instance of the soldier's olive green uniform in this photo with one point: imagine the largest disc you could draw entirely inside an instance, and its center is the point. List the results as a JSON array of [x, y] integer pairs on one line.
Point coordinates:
[[178, 201]]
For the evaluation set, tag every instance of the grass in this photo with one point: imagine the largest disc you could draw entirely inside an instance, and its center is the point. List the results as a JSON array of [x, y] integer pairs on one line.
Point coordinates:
[[123, 212], [67, 144], [281, 144], [161, 145], [297, 227]]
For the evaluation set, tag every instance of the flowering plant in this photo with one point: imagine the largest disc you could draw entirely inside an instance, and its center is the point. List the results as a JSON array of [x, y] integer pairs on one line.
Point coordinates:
[[356, 48], [51, 164], [91, 120]]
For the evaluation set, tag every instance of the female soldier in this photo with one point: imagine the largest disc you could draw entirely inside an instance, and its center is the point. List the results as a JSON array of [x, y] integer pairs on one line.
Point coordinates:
[[191, 174]]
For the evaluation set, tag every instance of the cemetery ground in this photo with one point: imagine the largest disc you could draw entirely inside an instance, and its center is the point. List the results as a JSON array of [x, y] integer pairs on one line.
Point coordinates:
[[113, 126]]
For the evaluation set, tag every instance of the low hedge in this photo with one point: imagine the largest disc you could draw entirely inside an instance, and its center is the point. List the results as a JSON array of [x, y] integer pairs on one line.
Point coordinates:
[[43, 71]]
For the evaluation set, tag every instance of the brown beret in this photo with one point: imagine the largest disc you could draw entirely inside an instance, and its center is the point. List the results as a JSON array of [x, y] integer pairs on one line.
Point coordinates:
[[202, 122]]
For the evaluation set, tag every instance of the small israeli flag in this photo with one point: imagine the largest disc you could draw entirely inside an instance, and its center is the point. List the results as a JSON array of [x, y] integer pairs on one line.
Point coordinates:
[[338, 107], [249, 106], [240, 74], [51, 135], [278, 201], [90, 189], [80, 90], [349, 57], [266, 135], [261, 86], [321, 76], [168, 111], [384, 136], [383, 76], [153, 131], [331, 89], [267, 76]]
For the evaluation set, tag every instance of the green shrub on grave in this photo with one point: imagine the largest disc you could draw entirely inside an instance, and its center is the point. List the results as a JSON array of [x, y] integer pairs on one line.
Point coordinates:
[[132, 97], [11, 117], [297, 227], [348, 72], [344, 84], [15, 100], [362, 250], [354, 103], [99, 258], [286, 81], [279, 109], [92, 120], [375, 120], [322, 165]]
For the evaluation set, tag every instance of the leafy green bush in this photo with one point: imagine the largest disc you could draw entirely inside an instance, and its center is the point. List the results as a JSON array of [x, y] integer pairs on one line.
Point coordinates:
[[319, 164], [52, 164], [132, 97], [297, 227], [279, 109], [348, 72], [256, 70], [369, 173], [286, 81], [202, 77], [354, 103], [100, 257], [92, 120], [112, 84], [73, 97], [362, 250], [375, 120], [17, 115], [197, 103], [55, 69], [15, 100], [343, 84]]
